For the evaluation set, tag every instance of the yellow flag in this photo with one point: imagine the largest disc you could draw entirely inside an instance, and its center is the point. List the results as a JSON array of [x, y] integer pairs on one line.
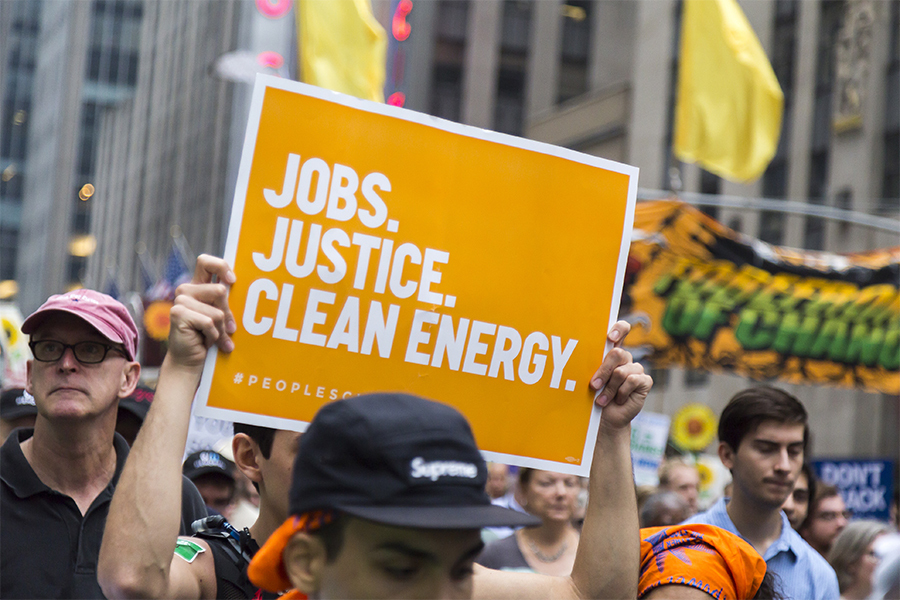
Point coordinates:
[[342, 47], [729, 106]]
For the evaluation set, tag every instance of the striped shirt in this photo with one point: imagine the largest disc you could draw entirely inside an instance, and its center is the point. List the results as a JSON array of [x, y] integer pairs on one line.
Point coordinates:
[[802, 572]]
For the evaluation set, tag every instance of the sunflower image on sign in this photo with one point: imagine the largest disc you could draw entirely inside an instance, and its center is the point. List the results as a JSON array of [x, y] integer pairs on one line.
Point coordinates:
[[156, 320], [10, 331], [706, 476], [693, 427]]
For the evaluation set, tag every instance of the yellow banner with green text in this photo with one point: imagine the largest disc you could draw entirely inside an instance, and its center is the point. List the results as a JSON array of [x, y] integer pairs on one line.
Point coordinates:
[[706, 297]]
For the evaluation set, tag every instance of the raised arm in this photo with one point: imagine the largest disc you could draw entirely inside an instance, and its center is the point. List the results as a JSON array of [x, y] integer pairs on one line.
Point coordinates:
[[608, 558], [137, 557]]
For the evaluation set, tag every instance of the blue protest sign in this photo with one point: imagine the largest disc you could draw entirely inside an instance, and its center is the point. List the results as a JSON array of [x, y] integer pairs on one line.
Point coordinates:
[[866, 485]]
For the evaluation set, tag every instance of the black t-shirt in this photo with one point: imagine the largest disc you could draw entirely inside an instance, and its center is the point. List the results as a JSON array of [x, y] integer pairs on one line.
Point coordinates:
[[47, 548]]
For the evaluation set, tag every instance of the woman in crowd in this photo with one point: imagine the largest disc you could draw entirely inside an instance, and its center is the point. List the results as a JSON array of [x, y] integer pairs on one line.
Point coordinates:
[[853, 557], [549, 548]]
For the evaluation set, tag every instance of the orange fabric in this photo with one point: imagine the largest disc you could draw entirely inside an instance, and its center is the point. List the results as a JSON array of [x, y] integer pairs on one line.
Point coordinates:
[[266, 570], [708, 558]]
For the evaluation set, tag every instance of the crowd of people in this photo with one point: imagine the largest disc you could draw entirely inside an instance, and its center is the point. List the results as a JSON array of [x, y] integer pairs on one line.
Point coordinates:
[[385, 495]]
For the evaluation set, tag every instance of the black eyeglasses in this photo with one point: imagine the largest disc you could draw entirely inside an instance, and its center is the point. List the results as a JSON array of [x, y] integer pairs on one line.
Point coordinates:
[[88, 353]]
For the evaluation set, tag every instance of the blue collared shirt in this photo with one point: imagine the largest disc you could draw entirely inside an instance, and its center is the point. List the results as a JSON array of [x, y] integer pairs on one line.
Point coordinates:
[[802, 572]]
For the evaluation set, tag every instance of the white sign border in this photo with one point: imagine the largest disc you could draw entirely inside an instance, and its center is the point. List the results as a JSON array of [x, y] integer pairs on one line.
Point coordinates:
[[264, 82]]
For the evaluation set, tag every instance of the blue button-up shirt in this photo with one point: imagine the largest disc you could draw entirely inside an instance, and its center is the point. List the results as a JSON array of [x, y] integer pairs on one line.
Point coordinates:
[[802, 572]]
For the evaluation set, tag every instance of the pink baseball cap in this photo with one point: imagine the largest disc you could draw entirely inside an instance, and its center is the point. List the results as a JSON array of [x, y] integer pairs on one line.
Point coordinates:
[[104, 313]]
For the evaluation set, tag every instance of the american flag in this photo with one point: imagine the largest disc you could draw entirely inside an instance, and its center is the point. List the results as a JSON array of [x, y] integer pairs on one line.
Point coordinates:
[[110, 286], [146, 271], [175, 273]]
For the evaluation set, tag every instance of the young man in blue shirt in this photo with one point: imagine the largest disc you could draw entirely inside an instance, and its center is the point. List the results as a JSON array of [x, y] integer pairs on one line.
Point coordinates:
[[763, 433]]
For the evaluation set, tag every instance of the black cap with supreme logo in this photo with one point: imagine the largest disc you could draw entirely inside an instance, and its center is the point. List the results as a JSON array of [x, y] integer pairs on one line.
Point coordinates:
[[15, 403], [397, 460]]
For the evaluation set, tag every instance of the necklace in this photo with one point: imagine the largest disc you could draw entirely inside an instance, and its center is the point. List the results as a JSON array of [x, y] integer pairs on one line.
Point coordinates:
[[543, 557]]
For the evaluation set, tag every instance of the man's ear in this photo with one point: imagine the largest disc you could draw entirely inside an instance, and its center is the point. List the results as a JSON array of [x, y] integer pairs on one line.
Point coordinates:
[[28, 387], [304, 561], [246, 456], [726, 455], [131, 374]]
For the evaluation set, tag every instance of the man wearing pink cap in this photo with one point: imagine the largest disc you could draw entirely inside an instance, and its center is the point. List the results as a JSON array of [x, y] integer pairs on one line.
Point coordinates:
[[58, 478]]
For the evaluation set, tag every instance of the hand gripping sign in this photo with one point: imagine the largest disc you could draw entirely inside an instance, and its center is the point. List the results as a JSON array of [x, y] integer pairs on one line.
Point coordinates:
[[380, 249]]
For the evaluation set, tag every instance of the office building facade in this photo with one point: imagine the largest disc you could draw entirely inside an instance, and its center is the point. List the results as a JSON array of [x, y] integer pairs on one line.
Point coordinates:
[[85, 60], [600, 77]]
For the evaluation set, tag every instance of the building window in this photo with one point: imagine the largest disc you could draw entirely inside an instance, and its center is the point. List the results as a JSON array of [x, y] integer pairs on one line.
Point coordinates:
[[82, 220], [784, 42], [660, 377], [672, 171], [844, 201], [446, 98], [509, 110], [814, 230], [76, 269], [449, 52], [829, 23], [15, 135], [115, 39], [17, 72], [710, 184], [453, 20], [9, 240], [890, 185], [771, 223], [695, 378], [574, 49], [12, 188], [90, 124]]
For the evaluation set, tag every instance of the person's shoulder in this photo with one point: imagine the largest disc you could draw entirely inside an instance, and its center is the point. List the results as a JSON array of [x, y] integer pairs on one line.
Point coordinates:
[[16, 473], [190, 548], [802, 549], [820, 571], [193, 567], [501, 545], [500, 553], [714, 515], [11, 447], [701, 518]]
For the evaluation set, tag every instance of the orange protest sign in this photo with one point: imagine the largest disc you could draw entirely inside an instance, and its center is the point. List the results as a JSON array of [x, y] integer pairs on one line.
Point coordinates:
[[380, 249]]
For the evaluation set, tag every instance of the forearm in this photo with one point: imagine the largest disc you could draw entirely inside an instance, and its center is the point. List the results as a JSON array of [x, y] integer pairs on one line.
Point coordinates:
[[145, 512], [608, 558]]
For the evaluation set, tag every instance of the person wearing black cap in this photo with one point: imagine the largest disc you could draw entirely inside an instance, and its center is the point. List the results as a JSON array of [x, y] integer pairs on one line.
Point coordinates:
[[213, 474], [17, 409], [403, 479], [388, 492]]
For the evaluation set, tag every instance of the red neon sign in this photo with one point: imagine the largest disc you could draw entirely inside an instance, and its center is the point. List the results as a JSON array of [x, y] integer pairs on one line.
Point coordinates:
[[274, 9], [270, 59], [396, 99], [399, 27]]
